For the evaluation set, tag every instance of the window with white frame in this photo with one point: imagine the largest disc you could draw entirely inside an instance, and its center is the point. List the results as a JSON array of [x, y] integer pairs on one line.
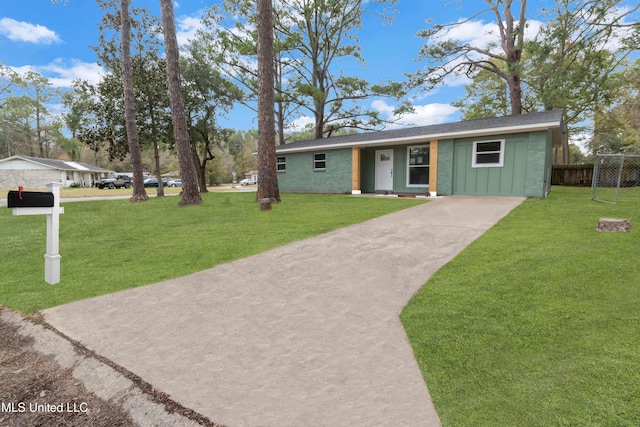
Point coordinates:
[[319, 161], [281, 164], [488, 154], [418, 166]]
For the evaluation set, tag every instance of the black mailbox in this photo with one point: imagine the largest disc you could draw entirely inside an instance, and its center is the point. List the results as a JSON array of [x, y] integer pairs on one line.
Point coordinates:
[[29, 199]]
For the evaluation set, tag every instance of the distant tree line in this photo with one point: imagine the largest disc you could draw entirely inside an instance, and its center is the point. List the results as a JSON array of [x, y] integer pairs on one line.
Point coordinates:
[[27, 124]]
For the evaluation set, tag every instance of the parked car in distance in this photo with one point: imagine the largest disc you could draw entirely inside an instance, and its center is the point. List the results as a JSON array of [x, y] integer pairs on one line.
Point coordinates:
[[114, 181], [247, 181], [175, 183], [130, 175], [153, 182]]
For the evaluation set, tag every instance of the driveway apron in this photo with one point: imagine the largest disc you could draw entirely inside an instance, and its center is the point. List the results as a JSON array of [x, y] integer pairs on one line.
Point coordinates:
[[307, 334]]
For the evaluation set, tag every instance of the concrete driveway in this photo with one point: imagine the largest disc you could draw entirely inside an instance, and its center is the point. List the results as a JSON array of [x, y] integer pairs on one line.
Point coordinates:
[[307, 334]]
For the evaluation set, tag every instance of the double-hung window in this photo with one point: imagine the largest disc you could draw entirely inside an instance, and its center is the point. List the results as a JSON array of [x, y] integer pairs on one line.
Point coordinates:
[[281, 164], [418, 166], [488, 154], [319, 161]]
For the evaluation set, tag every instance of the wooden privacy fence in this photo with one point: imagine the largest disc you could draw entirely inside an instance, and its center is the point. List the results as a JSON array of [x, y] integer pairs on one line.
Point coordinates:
[[572, 175]]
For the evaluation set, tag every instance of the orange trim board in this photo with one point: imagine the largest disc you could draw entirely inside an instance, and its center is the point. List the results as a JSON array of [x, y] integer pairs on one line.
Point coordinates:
[[355, 170], [433, 166]]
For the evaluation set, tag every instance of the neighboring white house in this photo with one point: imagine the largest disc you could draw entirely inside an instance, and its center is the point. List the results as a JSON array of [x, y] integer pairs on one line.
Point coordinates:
[[251, 175], [35, 172]]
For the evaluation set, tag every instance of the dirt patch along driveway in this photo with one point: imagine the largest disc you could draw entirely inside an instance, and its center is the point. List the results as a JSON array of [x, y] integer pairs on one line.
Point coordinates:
[[36, 391], [49, 380]]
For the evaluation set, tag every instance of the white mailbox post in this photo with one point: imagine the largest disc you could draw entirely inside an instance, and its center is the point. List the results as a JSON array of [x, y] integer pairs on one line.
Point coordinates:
[[52, 257]]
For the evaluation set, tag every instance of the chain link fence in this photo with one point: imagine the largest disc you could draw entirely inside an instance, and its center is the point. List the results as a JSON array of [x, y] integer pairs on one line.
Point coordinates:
[[611, 172]]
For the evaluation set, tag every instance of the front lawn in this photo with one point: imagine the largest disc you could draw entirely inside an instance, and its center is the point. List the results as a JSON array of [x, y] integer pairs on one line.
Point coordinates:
[[537, 323], [107, 246]]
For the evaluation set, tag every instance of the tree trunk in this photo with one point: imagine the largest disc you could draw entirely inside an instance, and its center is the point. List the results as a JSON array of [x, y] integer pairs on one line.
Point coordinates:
[[319, 122], [139, 194], [201, 166], [38, 135], [566, 152], [280, 114], [318, 105], [280, 110], [566, 155], [515, 94], [512, 40], [267, 172], [156, 149], [201, 171], [190, 193]]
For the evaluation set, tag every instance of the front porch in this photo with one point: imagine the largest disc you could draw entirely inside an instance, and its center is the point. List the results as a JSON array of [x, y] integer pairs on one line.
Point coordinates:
[[395, 170]]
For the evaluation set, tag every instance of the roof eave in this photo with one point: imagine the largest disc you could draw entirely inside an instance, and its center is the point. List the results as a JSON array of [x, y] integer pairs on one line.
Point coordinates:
[[30, 160], [428, 137], [90, 168]]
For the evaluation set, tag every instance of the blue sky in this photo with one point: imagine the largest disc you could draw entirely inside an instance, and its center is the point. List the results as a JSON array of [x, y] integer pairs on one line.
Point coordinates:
[[54, 40]]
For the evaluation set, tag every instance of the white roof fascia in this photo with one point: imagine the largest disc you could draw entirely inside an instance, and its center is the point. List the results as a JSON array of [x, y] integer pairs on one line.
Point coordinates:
[[428, 137]]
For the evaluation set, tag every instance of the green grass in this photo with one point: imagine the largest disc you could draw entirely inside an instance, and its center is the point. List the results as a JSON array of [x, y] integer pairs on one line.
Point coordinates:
[[107, 246], [537, 323]]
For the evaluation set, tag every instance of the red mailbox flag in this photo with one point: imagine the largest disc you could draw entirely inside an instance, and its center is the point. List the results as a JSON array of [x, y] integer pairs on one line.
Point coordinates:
[[20, 188]]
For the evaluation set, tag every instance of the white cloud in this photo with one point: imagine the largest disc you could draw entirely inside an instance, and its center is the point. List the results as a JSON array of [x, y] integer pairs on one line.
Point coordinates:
[[475, 33], [457, 80], [620, 33], [57, 109], [186, 28], [483, 35], [423, 115], [480, 35], [533, 28], [581, 140], [61, 73], [27, 32], [301, 123], [382, 107]]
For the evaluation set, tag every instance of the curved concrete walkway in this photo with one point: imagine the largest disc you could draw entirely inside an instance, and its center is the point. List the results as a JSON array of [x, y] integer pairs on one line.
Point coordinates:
[[307, 334]]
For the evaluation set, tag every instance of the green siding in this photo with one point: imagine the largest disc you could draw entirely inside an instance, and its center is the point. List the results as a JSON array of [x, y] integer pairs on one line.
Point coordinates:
[[300, 176], [445, 167], [368, 169], [509, 180], [549, 165], [526, 170], [537, 164]]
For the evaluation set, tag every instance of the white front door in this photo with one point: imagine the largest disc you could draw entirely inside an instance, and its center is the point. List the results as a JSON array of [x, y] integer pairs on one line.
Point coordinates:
[[384, 169]]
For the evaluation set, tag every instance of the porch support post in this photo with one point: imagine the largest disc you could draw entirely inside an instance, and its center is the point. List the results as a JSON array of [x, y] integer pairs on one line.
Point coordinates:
[[433, 167], [355, 171]]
